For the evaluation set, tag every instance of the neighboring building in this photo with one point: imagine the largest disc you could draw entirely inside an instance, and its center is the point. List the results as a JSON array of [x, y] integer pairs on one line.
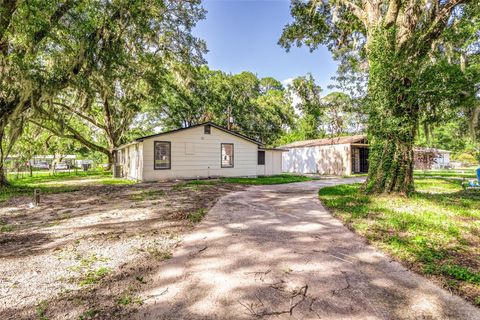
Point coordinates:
[[333, 156], [431, 158], [347, 155], [201, 151]]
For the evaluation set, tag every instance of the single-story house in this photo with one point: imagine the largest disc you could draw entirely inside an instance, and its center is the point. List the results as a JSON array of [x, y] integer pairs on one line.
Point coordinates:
[[431, 158], [201, 151], [331, 156]]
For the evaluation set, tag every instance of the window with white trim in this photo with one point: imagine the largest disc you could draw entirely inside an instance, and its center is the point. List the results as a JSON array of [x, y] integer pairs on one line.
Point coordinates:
[[162, 155], [227, 155], [261, 157]]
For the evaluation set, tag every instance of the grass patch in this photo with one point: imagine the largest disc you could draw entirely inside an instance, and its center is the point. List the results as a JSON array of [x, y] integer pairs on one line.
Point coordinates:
[[89, 314], [452, 173], [88, 273], [57, 183], [148, 195], [158, 254], [436, 231], [267, 180], [261, 180], [6, 228], [197, 216], [195, 184], [127, 299], [41, 310], [94, 276]]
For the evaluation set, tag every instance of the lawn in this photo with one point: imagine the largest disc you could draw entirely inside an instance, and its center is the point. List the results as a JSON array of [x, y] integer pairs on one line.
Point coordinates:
[[435, 232], [57, 183], [451, 173], [266, 180], [277, 179]]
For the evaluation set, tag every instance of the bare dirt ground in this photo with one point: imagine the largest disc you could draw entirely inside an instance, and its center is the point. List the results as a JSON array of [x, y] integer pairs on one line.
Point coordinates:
[[273, 252], [88, 254]]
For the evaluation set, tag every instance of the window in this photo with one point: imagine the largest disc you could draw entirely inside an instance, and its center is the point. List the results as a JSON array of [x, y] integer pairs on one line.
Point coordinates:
[[261, 157], [162, 155], [227, 155], [207, 129]]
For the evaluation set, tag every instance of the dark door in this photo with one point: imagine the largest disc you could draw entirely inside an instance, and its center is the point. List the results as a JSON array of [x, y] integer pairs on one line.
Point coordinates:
[[363, 160]]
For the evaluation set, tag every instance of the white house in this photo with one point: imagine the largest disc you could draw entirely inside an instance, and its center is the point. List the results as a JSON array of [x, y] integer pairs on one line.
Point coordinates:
[[200, 151], [440, 158], [331, 156]]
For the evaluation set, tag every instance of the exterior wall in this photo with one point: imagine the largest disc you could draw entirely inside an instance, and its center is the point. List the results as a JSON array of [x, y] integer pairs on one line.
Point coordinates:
[[131, 161], [203, 158], [300, 160], [442, 161], [335, 159], [329, 160], [273, 163]]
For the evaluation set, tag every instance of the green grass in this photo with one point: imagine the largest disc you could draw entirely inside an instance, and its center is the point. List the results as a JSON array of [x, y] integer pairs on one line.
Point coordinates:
[[88, 314], [57, 183], [94, 276], [266, 180], [41, 310], [436, 231], [197, 216], [127, 299], [6, 227], [451, 173], [262, 180]]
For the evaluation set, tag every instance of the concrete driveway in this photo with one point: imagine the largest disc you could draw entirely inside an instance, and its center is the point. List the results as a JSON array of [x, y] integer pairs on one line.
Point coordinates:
[[273, 252]]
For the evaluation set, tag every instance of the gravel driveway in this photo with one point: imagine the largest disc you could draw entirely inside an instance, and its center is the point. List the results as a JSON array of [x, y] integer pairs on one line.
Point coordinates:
[[273, 252]]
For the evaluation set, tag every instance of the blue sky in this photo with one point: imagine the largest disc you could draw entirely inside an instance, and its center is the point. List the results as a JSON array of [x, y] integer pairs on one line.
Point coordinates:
[[242, 35]]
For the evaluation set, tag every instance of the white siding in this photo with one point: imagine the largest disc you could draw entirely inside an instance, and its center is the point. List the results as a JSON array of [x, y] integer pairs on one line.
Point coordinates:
[[300, 160], [334, 159], [273, 163], [442, 160], [132, 163], [195, 154], [330, 160]]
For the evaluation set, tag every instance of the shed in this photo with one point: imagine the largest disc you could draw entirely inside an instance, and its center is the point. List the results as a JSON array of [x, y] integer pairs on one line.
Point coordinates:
[[330, 156], [205, 150]]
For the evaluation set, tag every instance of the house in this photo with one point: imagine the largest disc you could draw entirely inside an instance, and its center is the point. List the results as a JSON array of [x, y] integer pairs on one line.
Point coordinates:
[[201, 151], [431, 158], [331, 156]]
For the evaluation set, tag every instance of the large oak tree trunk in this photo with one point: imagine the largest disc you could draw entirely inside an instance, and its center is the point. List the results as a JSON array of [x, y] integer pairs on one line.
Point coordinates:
[[110, 160], [390, 167], [393, 116]]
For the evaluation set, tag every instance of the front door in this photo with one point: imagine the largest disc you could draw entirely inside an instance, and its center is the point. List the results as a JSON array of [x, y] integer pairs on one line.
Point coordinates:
[[363, 160]]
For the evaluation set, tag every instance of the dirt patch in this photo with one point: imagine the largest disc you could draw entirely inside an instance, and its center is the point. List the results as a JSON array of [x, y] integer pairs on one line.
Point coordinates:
[[85, 254]]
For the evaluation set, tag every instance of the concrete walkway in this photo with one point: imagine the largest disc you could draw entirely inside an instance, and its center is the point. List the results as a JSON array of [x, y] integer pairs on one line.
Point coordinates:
[[273, 252]]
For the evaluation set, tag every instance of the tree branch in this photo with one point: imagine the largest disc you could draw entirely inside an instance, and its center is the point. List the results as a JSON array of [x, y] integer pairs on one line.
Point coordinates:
[[81, 115], [75, 135], [7, 9], [392, 13], [440, 20], [357, 11]]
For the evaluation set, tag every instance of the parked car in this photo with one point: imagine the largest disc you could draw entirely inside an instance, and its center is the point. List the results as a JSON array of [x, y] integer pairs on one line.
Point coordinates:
[[41, 165], [61, 166]]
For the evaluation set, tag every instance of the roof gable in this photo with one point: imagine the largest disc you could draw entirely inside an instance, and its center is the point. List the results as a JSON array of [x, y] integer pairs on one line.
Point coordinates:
[[198, 125]]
